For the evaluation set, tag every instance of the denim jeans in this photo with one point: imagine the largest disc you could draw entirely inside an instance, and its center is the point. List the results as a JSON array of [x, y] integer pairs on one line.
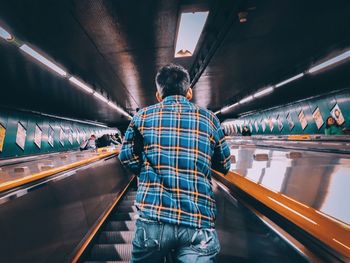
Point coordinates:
[[154, 240]]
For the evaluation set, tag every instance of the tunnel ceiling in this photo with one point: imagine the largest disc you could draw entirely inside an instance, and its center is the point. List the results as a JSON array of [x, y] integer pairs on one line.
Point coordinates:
[[117, 46]]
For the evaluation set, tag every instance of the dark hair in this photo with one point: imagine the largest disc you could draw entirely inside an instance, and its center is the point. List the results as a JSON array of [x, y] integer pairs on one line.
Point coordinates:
[[330, 117], [172, 80]]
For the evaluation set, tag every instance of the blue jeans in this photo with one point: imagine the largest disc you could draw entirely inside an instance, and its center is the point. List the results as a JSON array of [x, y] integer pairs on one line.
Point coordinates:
[[154, 240]]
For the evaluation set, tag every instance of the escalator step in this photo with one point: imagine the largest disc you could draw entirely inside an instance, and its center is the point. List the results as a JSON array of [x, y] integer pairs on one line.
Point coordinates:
[[130, 197], [127, 203], [111, 252], [115, 237], [120, 226], [126, 208], [124, 216]]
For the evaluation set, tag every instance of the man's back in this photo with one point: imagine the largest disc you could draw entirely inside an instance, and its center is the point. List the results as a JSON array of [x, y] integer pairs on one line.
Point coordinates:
[[172, 146], [181, 144]]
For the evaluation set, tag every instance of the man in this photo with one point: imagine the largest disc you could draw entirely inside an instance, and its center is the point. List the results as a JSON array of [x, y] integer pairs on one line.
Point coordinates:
[[89, 144], [173, 147]]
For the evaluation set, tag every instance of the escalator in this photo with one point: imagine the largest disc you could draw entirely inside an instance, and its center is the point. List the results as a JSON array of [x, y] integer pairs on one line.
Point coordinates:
[[243, 236], [113, 243]]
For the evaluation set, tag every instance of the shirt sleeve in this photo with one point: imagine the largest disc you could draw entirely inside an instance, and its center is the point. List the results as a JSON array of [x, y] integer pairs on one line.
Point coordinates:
[[130, 153], [221, 159]]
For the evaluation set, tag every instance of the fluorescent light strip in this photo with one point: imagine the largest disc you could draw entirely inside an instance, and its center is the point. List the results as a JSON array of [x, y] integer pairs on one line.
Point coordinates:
[[330, 62], [81, 85], [100, 97], [190, 29], [263, 92], [295, 212], [5, 34], [289, 80], [43, 60], [37, 56], [224, 109], [249, 98], [114, 106]]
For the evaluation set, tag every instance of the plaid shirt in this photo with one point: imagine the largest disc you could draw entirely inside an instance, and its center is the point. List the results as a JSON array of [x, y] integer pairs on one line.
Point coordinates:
[[178, 144]]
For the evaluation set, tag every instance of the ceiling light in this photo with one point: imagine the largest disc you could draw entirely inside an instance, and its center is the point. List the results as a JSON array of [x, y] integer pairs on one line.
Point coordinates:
[[190, 29], [225, 109], [116, 107], [81, 85], [330, 62], [5, 34], [289, 80], [249, 98], [263, 92], [100, 97], [242, 17], [43, 60]]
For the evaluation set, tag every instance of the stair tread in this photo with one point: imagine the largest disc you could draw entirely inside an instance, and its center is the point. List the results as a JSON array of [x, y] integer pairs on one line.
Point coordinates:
[[120, 225], [111, 252], [115, 237]]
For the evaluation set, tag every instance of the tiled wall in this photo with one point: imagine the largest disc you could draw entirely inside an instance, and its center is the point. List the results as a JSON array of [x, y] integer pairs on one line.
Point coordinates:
[[67, 134], [278, 117]]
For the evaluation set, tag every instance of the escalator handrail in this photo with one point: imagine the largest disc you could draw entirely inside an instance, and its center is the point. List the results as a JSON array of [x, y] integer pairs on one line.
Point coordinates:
[[330, 231], [92, 233], [8, 185]]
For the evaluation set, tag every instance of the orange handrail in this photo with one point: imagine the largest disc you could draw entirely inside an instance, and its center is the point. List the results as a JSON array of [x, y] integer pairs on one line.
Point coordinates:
[[33, 177], [94, 231], [330, 231]]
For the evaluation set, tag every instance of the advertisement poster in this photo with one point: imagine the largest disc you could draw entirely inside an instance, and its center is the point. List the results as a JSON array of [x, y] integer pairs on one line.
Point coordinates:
[[77, 135], [290, 121], [302, 119], [271, 123], [83, 136], [337, 115], [51, 135], [37, 136], [263, 125], [2, 137], [318, 117], [280, 123], [61, 136], [21, 136], [256, 124], [250, 126], [70, 136]]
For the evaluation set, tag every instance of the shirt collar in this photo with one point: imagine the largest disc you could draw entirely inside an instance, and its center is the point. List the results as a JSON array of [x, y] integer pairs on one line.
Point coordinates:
[[176, 98]]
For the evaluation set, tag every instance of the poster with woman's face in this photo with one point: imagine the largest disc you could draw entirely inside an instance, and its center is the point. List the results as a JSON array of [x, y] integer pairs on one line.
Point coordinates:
[[318, 117], [302, 119], [337, 115]]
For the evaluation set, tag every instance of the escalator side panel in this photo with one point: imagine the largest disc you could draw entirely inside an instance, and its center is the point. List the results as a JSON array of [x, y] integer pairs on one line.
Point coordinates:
[[46, 224]]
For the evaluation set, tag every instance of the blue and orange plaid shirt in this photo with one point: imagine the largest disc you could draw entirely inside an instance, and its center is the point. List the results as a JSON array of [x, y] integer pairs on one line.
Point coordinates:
[[173, 147]]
